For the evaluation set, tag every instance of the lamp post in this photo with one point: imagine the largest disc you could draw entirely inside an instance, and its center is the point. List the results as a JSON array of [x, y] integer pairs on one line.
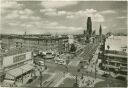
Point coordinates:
[[95, 70], [67, 62], [108, 62], [40, 78]]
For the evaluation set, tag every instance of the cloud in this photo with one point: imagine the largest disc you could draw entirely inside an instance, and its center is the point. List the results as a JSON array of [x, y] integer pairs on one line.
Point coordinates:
[[90, 11], [25, 14], [6, 5], [70, 17], [122, 17], [98, 18], [58, 4], [52, 12], [49, 12], [74, 15], [53, 24], [9, 4], [108, 12], [104, 27], [25, 11], [60, 13], [94, 14], [14, 23], [12, 15], [47, 26]]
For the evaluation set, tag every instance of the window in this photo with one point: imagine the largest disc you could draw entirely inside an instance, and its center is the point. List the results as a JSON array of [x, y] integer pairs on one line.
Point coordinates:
[[124, 49]]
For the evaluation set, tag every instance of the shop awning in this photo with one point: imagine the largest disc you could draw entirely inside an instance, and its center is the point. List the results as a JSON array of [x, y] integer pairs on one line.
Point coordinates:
[[13, 73], [9, 77], [8, 81]]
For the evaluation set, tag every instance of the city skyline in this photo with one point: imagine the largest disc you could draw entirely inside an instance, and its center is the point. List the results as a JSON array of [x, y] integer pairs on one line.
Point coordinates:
[[62, 16]]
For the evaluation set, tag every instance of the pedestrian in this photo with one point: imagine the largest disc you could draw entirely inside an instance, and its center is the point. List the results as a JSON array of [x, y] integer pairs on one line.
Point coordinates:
[[93, 81]]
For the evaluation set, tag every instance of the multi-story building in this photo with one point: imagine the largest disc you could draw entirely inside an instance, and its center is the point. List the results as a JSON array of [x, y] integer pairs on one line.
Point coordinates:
[[54, 43], [16, 64], [16, 56], [115, 58], [116, 61], [89, 26]]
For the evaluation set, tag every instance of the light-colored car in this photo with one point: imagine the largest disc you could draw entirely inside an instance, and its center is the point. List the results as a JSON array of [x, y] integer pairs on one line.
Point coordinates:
[[60, 62], [41, 63], [85, 66]]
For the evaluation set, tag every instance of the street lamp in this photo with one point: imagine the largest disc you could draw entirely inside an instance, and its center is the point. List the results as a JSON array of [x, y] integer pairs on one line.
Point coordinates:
[[95, 70], [41, 78], [67, 62], [108, 62]]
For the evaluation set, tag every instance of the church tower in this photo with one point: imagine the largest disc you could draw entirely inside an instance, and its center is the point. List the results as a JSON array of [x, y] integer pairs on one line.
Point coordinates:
[[100, 31], [89, 26]]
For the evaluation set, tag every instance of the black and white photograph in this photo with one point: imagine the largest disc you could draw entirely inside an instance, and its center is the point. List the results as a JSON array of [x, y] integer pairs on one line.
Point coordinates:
[[63, 43]]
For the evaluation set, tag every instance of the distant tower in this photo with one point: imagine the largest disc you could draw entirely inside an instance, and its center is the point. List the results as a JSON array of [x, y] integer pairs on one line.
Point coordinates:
[[89, 26], [84, 32], [25, 33], [100, 30]]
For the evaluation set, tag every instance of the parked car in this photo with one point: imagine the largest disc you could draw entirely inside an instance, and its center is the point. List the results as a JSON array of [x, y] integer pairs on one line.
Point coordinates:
[[41, 63], [105, 75], [31, 80], [62, 62]]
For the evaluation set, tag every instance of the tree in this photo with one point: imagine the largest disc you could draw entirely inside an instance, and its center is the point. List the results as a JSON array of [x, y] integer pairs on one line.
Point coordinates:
[[108, 47], [73, 48]]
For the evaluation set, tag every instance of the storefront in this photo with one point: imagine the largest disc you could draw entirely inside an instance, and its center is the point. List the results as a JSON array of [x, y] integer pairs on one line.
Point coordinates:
[[19, 74]]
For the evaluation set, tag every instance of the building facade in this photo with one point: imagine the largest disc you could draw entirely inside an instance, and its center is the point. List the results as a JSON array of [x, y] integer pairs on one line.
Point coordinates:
[[89, 25], [114, 59], [44, 43], [15, 65]]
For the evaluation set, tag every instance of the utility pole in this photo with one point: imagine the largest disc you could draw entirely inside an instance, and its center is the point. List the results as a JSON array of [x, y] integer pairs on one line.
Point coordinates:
[[95, 70], [76, 79], [40, 78]]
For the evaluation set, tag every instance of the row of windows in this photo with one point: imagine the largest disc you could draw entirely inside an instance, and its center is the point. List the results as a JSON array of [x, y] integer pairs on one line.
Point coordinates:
[[116, 64], [43, 41]]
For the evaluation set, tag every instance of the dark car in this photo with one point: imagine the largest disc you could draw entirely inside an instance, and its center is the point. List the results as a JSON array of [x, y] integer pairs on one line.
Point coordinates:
[[105, 75], [31, 80]]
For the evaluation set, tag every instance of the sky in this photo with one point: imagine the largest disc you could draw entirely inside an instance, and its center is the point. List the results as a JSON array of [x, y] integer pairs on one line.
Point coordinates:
[[39, 17]]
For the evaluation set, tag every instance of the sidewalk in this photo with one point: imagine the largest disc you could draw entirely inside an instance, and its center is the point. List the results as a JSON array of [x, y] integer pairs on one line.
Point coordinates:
[[88, 81]]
